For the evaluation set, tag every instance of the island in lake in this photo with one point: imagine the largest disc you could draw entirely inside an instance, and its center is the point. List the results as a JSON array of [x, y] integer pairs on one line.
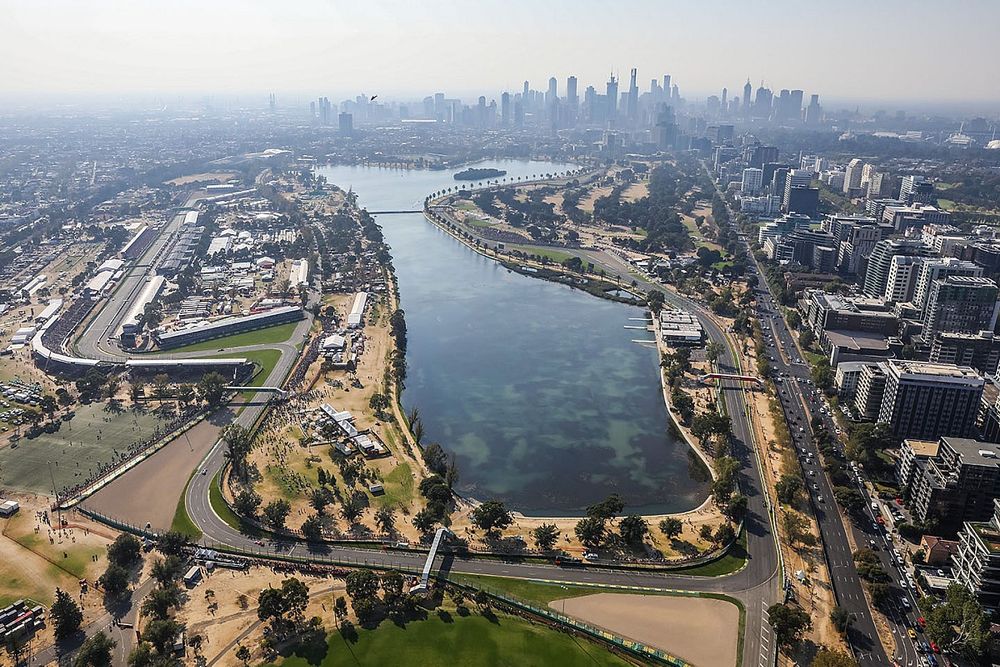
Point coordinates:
[[472, 174]]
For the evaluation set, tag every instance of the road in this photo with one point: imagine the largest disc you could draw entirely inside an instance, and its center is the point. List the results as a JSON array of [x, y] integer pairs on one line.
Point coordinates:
[[801, 401]]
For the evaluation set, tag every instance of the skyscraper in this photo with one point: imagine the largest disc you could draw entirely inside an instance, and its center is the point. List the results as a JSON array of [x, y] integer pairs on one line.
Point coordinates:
[[505, 109], [814, 110], [747, 92], [612, 93], [552, 93], [633, 96]]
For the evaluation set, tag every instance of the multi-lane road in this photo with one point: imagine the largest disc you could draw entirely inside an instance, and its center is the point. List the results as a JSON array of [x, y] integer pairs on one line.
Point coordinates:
[[801, 402]]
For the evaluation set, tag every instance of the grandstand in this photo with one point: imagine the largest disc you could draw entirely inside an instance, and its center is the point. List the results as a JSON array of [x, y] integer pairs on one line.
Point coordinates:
[[226, 327]]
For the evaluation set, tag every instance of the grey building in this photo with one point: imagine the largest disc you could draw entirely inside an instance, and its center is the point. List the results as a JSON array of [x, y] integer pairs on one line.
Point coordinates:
[[959, 483], [924, 400], [961, 304]]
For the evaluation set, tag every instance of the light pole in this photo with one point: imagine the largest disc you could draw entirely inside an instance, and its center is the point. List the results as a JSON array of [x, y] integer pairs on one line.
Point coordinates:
[[55, 495]]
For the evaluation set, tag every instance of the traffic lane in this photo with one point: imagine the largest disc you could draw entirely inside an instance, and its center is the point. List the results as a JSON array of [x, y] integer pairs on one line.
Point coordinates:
[[898, 586], [843, 573]]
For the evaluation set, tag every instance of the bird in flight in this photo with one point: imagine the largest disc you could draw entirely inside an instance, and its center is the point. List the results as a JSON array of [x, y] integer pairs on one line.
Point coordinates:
[[373, 98]]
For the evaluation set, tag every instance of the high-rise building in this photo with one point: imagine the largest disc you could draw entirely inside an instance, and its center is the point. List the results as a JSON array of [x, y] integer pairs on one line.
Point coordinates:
[[505, 109], [814, 111], [908, 185], [960, 304], [795, 106], [345, 123], [633, 96], [552, 93], [936, 268], [747, 92], [852, 177], [925, 400], [880, 261], [752, 181], [571, 97], [976, 566], [903, 271], [612, 95], [957, 484]]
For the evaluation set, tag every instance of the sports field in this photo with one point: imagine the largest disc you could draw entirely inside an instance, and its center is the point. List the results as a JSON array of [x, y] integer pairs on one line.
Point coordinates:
[[450, 639], [80, 447]]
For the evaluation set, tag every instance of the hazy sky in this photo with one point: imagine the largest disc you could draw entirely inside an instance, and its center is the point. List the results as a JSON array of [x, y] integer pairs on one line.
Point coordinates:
[[846, 49]]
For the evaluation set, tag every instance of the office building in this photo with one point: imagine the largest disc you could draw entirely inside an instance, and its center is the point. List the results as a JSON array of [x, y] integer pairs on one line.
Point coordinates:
[[976, 350], [870, 392], [345, 124], [961, 304], [852, 177], [936, 268], [825, 311], [880, 261], [925, 400], [751, 182], [958, 484], [977, 563], [902, 278]]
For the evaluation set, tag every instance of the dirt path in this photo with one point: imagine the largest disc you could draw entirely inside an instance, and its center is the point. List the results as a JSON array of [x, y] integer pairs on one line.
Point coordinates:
[[680, 626], [150, 492]]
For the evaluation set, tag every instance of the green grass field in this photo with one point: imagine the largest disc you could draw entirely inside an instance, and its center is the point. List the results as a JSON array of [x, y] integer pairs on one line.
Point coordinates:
[[399, 488], [78, 447], [279, 333], [556, 256], [734, 559], [539, 592], [447, 638]]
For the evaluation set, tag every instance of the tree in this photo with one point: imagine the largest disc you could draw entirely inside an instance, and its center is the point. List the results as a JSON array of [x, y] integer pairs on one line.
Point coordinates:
[[160, 601], [142, 656], [492, 517], [633, 529], [378, 403], [385, 519], [736, 508], [958, 624], [114, 581], [247, 502], [841, 619], [340, 608], [788, 488], [239, 443], [271, 604], [275, 513], [607, 508], [545, 536], [320, 498], [879, 591], [126, 550], [724, 534], [312, 528], [590, 531], [95, 651], [850, 499], [296, 598], [351, 509], [243, 654], [160, 383], [671, 527], [162, 633], [66, 615], [362, 587], [713, 351], [705, 533], [167, 570], [171, 543], [424, 520], [828, 658], [212, 388], [788, 622]]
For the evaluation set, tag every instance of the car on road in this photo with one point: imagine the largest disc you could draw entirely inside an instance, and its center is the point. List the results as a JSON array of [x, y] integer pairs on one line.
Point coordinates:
[[912, 633]]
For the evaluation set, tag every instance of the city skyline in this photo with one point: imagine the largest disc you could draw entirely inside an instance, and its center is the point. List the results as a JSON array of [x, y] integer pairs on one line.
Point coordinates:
[[111, 48]]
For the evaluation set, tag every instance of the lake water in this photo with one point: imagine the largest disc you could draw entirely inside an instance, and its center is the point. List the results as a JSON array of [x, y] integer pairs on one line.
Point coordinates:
[[536, 387]]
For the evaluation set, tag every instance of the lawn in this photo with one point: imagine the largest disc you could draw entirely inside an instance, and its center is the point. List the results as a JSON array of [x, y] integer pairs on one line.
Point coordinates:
[[399, 488], [734, 560], [447, 638], [539, 592], [552, 255], [80, 446], [265, 359], [279, 333]]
